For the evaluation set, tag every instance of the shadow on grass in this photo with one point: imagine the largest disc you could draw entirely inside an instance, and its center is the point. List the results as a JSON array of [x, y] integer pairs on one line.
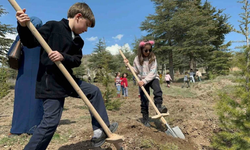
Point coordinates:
[[66, 122]]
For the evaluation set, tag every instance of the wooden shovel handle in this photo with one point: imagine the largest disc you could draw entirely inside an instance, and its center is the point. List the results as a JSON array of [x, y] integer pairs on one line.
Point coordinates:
[[64, 71], [143, 89]]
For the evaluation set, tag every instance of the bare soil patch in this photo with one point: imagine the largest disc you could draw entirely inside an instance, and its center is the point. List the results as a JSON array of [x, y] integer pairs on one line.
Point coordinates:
[[193, 113]]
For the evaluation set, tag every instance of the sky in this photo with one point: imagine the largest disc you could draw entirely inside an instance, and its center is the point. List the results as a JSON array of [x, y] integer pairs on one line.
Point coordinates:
[[117, 21]]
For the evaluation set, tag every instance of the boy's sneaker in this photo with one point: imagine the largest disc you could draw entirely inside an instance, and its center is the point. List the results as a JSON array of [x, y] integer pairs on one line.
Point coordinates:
[[97, 142]]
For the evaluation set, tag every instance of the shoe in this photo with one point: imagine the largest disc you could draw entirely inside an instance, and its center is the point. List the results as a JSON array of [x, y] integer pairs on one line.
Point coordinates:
[[162, 109], [97, 142], [145, 120]]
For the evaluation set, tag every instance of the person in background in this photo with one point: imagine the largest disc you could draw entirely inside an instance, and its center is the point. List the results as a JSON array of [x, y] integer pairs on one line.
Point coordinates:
[[118, 83], [122, 86], [28, 111], [191, 75], [186, 80], [125, 85], [168, 79], [198, 74]]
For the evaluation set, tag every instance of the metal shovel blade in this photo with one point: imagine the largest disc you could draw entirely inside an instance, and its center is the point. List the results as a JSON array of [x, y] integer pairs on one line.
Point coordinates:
[[175, 132]]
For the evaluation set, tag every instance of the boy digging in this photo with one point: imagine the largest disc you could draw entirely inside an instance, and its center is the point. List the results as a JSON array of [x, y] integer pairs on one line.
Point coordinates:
[[51, 86]]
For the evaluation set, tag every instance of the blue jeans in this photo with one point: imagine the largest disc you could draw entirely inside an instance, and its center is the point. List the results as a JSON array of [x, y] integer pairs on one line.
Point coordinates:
[[118, 87], [125, 91]]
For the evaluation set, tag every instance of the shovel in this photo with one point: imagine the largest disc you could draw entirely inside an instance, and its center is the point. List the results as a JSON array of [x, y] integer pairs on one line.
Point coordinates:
[[112, 138], [176, 131]]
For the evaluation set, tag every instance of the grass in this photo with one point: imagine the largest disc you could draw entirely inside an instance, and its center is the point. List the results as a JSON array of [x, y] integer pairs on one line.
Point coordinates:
[[228, 89], [9, 141], [147, 143], [60, 138], [113, 104], [176, 91], [85, 117], [208, 87], [169, 146], [23, 140], [83, 107]]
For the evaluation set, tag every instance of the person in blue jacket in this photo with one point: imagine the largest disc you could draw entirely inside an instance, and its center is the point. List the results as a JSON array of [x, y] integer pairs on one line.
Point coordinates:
[[28, 111]]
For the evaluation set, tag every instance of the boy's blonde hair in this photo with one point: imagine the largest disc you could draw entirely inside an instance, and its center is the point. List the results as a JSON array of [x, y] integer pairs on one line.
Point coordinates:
[[84, 9]]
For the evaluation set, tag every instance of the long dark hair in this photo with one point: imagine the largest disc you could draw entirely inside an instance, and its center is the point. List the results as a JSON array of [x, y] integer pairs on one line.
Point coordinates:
[[151, 56], [116, 74], [124, 74]]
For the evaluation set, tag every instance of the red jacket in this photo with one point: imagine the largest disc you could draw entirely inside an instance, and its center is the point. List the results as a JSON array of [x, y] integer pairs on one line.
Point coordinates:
[[124, 81]]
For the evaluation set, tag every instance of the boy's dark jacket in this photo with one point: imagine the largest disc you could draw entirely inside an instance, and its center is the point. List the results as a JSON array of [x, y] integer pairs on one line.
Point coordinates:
[[51, 83]]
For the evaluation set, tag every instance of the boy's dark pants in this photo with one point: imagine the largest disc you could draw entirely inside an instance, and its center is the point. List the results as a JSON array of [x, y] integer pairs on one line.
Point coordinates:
[[53, 111], [155, 85]]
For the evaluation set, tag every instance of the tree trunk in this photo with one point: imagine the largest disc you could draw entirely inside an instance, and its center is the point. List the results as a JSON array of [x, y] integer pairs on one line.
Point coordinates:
[[165, 69], [191, 62], [171, 64], [162, 69], [194, 69]]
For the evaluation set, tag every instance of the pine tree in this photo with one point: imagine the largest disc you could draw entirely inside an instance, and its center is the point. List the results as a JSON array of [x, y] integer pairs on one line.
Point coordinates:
[[233, 108], [120, 67], [219, 63], [79, 71], [100, 55], [186, 27], [194, 24], [100, 58], [4, 75], [5, 43], [245, 31], [222, 28], [159, 26]]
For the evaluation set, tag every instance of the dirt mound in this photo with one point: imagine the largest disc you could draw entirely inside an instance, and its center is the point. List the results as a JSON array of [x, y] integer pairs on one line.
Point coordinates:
[[139, 136]]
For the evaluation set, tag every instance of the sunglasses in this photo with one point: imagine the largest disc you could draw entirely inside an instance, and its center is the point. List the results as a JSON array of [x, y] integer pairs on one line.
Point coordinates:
[[147, 50]]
